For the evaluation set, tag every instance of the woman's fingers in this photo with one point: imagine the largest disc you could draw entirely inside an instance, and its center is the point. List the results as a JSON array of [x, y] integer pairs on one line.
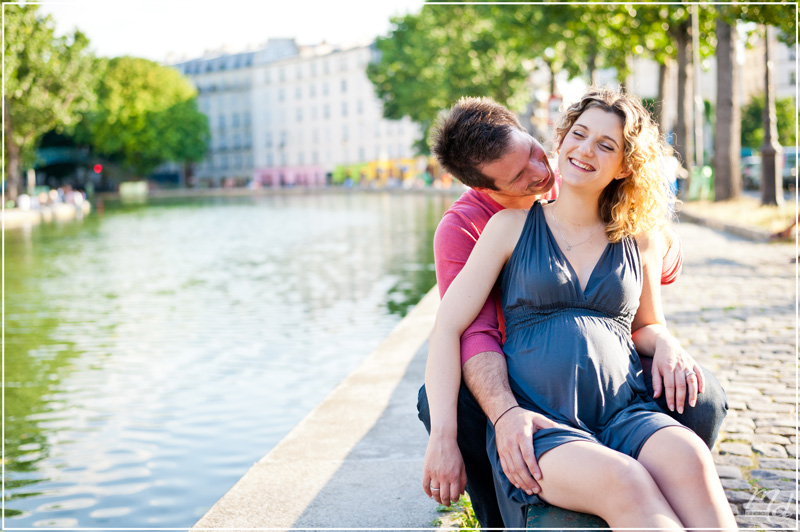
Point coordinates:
[[692, 387], [680, 389]]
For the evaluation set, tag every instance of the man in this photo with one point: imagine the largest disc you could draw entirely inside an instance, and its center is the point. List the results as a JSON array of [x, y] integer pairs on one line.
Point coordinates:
[[483, 145]]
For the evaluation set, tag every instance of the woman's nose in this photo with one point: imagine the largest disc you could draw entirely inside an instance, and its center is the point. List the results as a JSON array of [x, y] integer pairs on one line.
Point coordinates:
[[585, 147]]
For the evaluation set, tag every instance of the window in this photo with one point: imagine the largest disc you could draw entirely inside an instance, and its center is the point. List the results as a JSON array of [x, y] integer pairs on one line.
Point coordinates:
[[325, 88], [312, 91], [344, 132], [326, 67], [314, 157], [315, 135], [235, 120], [282, 74], [222, 121], [326, 111], [344, 85], [360, 107], [299, 72], [269, 159], [344, 108], [299, 115], [268, 142], [283, 139], [298, 93], [792, 77], [361, 155], [300, 159], [281, 95]]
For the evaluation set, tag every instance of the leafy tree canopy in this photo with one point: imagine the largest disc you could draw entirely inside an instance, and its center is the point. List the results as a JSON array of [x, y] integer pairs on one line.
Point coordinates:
[[49, 80], [753, 122], [146, 115]]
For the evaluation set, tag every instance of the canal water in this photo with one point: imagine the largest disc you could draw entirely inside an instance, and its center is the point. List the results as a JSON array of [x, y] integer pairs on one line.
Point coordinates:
[[155, 352]]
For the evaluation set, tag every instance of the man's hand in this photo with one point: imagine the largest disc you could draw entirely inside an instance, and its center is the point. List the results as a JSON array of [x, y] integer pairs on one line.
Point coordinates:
[[443, 476], [676, 374], [514, 436]]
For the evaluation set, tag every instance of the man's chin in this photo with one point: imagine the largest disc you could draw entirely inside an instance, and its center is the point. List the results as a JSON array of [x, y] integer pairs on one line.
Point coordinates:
[[539, 189]]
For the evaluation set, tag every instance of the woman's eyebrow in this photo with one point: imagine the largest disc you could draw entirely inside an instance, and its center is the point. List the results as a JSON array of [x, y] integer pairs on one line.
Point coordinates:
[[604, 136]]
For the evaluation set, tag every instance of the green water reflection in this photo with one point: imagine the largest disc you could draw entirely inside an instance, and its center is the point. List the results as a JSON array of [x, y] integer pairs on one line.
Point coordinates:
[[142, 341]]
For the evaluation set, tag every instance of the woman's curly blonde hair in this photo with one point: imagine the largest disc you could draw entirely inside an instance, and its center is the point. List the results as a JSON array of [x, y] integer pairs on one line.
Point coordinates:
[[638, 203]]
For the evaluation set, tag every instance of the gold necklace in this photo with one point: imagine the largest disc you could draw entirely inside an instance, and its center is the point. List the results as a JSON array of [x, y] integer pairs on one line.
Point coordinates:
[[558, 228]]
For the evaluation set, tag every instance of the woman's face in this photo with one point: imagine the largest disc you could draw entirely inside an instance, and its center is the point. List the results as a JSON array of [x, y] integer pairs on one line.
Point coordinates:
[[592, 152]]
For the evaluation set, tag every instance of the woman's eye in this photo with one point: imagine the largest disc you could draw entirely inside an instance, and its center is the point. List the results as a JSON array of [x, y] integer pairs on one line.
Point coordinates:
[[607, 147]]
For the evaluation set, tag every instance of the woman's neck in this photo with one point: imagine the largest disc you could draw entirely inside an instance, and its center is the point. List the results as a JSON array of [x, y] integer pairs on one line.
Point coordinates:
[[577, 210]]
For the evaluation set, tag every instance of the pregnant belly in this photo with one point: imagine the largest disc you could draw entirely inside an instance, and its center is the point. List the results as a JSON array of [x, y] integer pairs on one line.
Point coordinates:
[[576, 369]]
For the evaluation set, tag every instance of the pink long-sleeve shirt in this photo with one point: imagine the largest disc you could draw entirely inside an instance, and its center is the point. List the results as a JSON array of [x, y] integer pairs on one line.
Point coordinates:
[[456, 235]]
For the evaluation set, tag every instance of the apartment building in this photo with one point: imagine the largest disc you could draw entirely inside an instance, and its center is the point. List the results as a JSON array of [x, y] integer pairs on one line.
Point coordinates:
[[290, 115]]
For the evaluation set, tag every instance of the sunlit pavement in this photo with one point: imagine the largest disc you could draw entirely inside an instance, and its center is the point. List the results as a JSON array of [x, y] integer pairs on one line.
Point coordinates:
[[733, 308]]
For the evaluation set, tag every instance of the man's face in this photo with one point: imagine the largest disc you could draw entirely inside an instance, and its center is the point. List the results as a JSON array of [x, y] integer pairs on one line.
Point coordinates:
[[523, 171]]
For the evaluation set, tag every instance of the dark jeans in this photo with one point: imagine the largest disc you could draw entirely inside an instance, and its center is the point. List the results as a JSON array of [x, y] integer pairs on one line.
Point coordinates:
[[705, 419]]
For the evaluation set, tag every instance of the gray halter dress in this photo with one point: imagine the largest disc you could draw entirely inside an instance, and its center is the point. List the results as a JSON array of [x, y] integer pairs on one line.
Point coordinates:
[[569, 350]]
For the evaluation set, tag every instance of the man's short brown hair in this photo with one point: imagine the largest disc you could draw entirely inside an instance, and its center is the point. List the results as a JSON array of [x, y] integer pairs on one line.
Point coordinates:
[[476, 131]]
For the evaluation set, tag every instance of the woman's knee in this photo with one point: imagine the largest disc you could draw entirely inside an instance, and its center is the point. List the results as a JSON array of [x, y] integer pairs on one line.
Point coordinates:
[[631, 488]]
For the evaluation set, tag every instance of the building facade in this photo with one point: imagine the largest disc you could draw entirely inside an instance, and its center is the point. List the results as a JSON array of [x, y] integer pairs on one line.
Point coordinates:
[[292, 115]]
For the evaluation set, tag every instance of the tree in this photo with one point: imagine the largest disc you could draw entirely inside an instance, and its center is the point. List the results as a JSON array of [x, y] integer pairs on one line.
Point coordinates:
[[146, 115], [752, 134], [727, 141], [49, 83]]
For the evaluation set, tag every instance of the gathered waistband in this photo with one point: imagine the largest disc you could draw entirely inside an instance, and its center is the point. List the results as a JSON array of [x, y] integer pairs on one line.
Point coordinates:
[[525, 316]]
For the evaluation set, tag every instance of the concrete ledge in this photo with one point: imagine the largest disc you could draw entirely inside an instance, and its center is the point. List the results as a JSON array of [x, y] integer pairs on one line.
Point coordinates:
[[750, 233], [356, 459], [14, 218]]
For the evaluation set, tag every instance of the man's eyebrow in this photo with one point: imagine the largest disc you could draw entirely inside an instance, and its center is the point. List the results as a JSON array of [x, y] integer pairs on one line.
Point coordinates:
[[530, 154], [604, 136]]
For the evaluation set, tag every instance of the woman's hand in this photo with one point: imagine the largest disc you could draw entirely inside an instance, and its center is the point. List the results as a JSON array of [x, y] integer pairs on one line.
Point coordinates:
[[443, 476], [675, 373]]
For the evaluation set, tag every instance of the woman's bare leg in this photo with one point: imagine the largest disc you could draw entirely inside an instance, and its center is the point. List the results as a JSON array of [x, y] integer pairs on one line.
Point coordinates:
[[682, 467], [587, 477]]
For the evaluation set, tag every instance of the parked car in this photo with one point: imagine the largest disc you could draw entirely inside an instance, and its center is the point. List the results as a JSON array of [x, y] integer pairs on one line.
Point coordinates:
[[789, 166], [751, 172]]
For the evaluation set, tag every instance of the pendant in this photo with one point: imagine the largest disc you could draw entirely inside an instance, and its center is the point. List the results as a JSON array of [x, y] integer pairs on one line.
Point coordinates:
[[569, 248]]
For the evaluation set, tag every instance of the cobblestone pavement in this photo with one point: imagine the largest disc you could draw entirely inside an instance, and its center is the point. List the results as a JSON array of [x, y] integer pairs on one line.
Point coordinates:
[[733, 308]]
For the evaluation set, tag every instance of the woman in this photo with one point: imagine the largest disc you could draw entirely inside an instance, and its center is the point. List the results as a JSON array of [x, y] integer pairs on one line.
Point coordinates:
[[573, 295]]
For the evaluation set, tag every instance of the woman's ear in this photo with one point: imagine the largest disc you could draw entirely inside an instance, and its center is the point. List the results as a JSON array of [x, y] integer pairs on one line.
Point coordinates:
[[625, 173]]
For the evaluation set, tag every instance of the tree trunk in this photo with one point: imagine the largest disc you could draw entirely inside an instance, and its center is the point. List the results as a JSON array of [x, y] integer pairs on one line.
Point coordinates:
[[12, 154], [684, 141], [771, 151], [727, 131], [663, 71], [591, 65]]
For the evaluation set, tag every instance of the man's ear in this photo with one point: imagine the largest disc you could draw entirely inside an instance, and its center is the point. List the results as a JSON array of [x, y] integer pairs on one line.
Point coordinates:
[[483, 190]]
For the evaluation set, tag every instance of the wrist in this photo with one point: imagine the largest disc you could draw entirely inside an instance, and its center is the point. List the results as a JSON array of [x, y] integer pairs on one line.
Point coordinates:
[[444, 432]]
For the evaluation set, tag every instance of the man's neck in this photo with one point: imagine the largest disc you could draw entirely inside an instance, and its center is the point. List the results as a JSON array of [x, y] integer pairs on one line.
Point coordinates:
[[512, 202]]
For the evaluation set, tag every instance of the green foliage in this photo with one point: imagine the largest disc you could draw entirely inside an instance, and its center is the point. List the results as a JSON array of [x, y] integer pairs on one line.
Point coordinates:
[[146, 115], [465, 518], [444, 52], [49, 80], [753, 125]]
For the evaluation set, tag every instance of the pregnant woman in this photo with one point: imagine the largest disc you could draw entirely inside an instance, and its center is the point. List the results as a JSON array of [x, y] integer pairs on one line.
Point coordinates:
[[580, 293]]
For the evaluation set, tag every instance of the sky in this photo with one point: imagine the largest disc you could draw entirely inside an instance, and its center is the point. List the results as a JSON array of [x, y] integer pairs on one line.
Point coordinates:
[[164, 30]]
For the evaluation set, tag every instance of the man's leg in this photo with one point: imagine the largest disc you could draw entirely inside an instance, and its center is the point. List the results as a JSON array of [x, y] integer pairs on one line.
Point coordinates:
[[705, 419], [472, 443]]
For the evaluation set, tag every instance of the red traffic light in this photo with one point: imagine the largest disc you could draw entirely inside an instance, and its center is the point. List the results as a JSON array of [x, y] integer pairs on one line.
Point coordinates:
[[98, 168]]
